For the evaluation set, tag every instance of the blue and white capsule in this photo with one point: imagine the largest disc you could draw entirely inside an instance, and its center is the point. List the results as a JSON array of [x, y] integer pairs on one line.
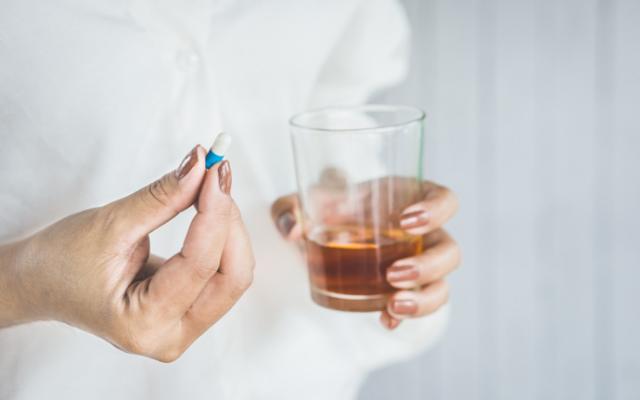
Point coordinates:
[[218, 149]]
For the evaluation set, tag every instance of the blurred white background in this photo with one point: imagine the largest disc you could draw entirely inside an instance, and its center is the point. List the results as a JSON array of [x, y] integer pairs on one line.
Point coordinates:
[[534, 119]]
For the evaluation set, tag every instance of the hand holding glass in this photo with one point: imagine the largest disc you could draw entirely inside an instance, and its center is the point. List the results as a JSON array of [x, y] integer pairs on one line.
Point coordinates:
[[358, 168]]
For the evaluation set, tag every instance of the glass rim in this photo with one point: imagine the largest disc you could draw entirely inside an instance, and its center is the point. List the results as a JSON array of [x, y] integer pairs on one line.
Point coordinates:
[[418, 116]]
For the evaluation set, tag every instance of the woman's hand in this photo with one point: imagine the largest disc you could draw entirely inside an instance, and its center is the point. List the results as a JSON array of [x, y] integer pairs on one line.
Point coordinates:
[[94, 269], [426, 271]]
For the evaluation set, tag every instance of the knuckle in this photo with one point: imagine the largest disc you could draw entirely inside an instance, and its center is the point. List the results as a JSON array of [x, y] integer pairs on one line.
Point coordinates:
[[457, 255], [137, 342], [442, 298], [235, 216], [450, 197], [160, 191], [453, 248], [109, 219], [145, 343], [203, 271], [169, 355], [428, 275], [245, 280], [443, 236], [444, 195], [223, 209], [138, 336], [131, 344], [455, 197], [111, 224], [442, 190], [242, 281], [433, 302]]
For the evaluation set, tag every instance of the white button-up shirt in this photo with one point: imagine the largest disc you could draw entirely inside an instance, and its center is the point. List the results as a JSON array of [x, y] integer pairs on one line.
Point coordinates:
[[98, 98]]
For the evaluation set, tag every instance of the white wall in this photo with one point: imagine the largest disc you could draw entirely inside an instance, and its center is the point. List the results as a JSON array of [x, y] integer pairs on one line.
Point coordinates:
[[535, 121]]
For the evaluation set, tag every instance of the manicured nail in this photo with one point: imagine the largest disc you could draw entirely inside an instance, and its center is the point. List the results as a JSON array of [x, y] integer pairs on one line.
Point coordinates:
[[393, 323], [388, 321], [187, 163], [406, 307], [414, 219], [224, 176], [286, 222], [384, 319], [402, 273]]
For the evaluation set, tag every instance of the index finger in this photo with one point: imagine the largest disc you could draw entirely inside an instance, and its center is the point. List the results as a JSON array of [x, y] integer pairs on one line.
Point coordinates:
[[437, 207], [179, 282]]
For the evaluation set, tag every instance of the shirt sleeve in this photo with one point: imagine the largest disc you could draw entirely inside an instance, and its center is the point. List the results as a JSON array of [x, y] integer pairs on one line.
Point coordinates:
[[372, 54]]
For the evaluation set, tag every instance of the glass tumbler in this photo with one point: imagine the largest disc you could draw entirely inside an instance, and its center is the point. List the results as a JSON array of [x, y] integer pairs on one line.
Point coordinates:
[[357, 169]]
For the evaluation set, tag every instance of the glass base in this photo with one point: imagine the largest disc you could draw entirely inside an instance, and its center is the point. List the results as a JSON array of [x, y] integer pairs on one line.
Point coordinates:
[[349, 302]]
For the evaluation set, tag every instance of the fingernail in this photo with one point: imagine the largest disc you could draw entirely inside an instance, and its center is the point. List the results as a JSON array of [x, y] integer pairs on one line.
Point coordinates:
[[388, 321], [406, 307], [414, 219], [402, 273], [224, 177], [384, 319], [286, 222], [187, 163]]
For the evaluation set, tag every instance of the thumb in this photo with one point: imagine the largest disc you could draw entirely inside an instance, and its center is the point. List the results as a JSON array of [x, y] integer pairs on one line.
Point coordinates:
[[285, 212], [157, 203]]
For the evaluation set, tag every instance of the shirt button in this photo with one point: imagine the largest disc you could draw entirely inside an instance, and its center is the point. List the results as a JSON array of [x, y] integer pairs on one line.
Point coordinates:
[[187, 60]]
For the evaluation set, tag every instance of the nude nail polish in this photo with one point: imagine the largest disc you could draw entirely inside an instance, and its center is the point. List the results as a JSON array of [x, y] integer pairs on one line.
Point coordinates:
[[187, 163], [402, 273], [405, 307], [388, 321], [393, 323], [414, 219], [224, 177]]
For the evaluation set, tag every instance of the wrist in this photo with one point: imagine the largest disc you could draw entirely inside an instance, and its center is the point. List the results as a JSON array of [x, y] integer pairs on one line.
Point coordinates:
[[14, 307]]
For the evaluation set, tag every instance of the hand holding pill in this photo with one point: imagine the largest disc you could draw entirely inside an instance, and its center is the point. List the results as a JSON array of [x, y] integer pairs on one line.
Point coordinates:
[[108, 282]]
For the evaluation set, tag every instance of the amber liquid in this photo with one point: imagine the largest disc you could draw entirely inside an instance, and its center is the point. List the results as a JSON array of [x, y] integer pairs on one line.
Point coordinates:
[[347, 266]]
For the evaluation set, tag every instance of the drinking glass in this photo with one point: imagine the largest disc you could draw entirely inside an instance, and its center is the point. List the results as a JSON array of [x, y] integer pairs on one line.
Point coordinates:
[[357, 169]]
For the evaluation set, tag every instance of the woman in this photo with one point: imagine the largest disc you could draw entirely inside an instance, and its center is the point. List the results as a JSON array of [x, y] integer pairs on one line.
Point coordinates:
[[96, 98]]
